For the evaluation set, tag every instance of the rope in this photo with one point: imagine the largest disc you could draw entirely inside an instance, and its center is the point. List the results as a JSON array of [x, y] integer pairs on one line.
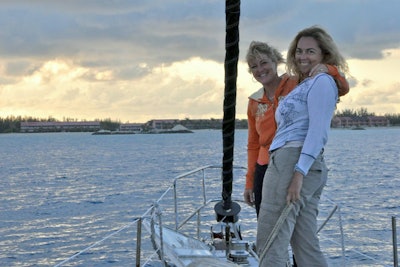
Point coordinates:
[[155, 206], [95, 244], [275, 230]]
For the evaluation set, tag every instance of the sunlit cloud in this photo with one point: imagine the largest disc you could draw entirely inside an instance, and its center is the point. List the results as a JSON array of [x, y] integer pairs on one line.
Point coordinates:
[[377, 90], [140, 61]]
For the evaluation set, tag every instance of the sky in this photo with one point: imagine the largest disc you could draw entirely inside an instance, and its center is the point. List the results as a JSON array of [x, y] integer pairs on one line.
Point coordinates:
[[138, 60]]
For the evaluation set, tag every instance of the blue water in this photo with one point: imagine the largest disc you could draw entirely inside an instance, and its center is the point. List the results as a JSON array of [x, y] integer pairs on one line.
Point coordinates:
[[61, 192]]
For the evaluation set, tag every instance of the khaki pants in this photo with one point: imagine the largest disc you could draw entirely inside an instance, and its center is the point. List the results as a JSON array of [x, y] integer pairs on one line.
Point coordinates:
[[299, 229]]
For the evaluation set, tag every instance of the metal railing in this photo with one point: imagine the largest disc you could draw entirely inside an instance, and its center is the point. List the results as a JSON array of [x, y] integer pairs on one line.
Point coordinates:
[[196, 213]]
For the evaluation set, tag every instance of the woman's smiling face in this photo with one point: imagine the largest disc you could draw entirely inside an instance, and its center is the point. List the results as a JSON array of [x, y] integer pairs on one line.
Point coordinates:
[[308, 54], [264, 70]]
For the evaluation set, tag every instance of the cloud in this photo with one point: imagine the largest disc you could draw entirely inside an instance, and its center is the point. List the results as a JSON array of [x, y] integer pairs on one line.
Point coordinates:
[[385, 100], [138, 60]]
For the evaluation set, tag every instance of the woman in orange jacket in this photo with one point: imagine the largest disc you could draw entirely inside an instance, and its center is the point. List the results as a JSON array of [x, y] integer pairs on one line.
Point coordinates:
[[263, 61]]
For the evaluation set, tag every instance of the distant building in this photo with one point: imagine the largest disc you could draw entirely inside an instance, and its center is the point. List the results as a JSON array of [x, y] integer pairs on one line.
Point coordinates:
[[161, 124], [378, 121], [368, 121], [131, 127], [53, 126], [203, 124]]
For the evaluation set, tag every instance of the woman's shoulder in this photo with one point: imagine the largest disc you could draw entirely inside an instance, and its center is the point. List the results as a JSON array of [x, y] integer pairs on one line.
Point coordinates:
[[324, 82], [287, 84], [323, 78]]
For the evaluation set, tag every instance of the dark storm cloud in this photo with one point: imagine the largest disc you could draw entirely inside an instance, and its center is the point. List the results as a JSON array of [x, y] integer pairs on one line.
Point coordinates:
[[162, 31]]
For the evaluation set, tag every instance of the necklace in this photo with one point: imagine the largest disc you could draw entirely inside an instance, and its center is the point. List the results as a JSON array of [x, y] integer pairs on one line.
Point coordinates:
[[268, 94]]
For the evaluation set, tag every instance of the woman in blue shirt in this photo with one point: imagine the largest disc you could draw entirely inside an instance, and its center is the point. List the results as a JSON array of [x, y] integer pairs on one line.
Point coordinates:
[[297, 172]]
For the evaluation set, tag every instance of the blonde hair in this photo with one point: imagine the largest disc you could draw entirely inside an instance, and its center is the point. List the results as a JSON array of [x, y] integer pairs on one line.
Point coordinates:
[[330, 52], [259, 49]]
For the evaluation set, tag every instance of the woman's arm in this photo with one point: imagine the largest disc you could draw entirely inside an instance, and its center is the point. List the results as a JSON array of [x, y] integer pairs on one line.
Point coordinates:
[[321, 102]]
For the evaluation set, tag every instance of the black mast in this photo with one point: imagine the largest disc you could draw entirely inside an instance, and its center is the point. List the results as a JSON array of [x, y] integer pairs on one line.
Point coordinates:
[[228, 210]]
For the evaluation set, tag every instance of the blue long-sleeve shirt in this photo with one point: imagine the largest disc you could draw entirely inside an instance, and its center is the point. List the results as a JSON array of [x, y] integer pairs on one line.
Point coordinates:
[[304, 116]]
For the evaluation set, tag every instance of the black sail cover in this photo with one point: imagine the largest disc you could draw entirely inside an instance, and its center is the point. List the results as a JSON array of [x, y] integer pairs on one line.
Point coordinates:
[[228, 210]]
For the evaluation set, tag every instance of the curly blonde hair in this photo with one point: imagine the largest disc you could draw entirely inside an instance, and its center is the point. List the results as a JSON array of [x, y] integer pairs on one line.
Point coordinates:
[[330, 52], [259, 49]]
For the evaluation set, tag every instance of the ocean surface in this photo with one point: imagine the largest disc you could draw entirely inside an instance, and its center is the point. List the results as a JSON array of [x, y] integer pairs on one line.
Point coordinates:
[[62, 192]]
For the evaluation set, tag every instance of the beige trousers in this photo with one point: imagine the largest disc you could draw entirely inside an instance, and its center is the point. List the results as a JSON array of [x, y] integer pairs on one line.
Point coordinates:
[[299, 228]]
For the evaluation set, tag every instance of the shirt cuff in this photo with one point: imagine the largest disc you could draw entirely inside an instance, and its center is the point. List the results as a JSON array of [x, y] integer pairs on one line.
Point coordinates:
[[304, 164], [298, 169]]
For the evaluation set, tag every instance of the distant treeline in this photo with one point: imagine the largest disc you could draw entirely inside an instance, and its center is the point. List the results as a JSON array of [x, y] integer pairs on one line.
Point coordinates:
[[12, 124]]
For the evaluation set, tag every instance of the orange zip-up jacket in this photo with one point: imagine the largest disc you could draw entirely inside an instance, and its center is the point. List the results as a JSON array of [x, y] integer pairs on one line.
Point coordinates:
[[261, 120]]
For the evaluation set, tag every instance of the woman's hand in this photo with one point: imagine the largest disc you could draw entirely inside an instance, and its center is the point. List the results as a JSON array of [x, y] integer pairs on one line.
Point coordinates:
[[319, 68], [249, 196], [293, 193]]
